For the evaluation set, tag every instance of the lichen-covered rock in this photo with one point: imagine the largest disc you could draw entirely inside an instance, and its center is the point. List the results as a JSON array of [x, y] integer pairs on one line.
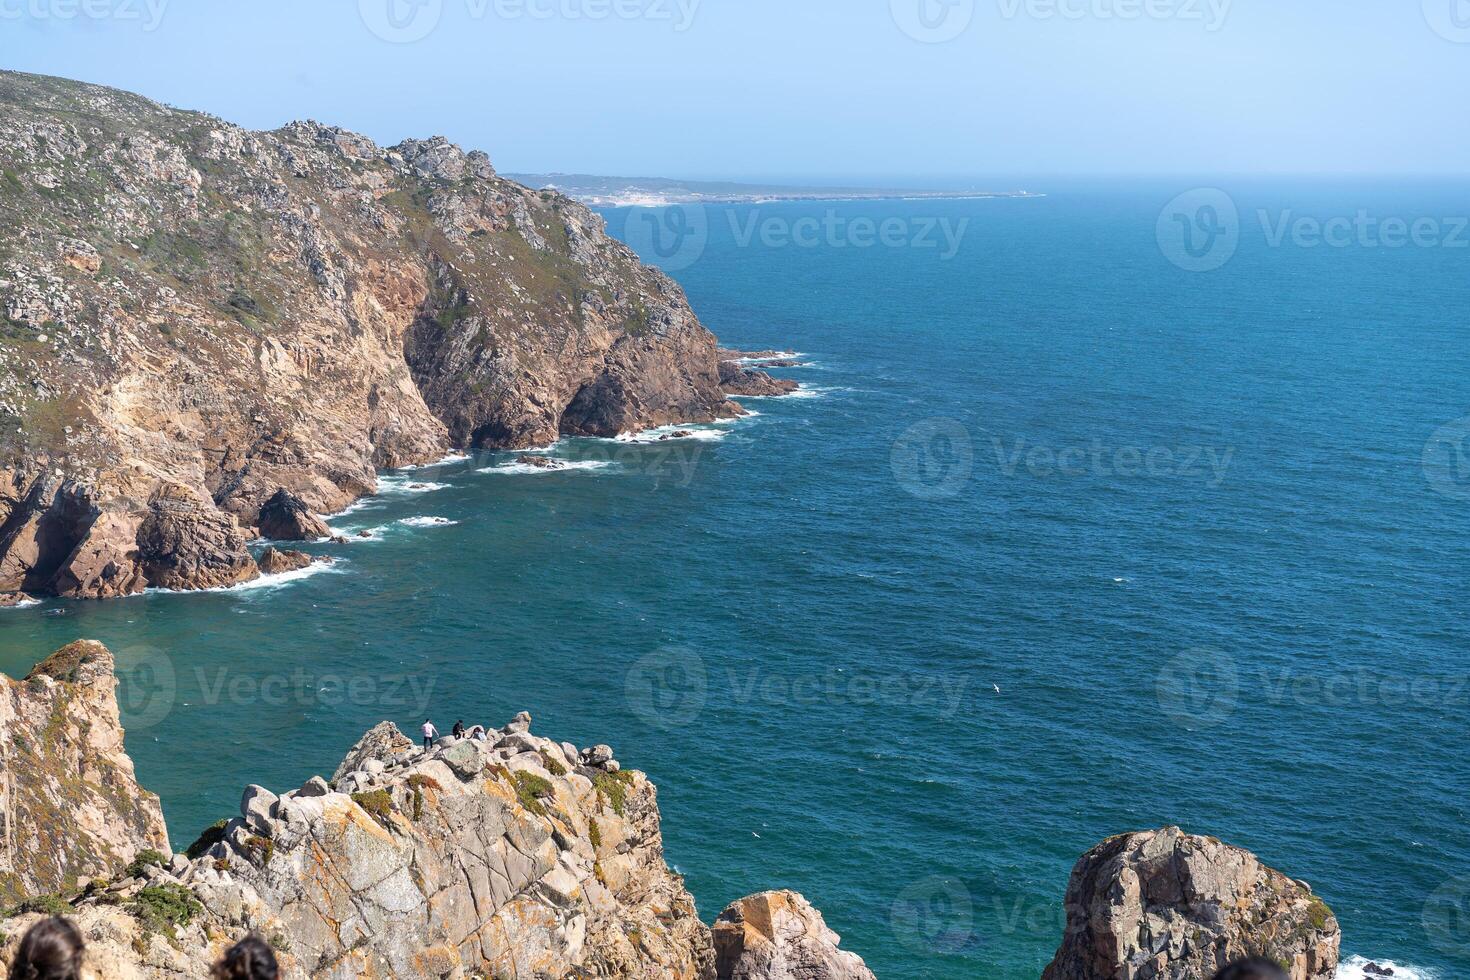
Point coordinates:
[[194, 316], [780, 936], [71, 808], [1165, 905]]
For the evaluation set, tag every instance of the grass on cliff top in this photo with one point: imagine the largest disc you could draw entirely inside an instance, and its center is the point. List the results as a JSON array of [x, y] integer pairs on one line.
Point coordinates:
[[531, 789], [164, 908], [612, 788]]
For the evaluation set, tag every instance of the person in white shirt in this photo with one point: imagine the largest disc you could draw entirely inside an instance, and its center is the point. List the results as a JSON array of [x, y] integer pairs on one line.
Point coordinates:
[[431, 734]]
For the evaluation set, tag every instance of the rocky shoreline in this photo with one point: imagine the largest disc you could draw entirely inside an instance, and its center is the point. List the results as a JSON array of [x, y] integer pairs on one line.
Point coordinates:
[[209, 334], [506, 854]]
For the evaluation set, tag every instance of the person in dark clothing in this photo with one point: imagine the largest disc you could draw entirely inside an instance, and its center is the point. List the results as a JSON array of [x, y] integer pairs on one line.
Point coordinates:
[[458, 730], [51, 950], [249, 959], [1255, 968]]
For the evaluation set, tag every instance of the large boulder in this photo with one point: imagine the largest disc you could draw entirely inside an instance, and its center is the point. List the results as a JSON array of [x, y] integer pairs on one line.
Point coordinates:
[[286, 517], [1166, 905], [780, 936], [383, 742]]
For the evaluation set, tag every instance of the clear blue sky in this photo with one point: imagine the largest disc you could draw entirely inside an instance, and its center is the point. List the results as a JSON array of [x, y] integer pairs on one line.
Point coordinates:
[[809, 88]]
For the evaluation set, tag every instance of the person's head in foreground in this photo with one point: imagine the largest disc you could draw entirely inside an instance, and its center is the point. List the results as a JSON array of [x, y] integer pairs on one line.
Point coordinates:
[[52, 950], [1254, 968], [249, 959]]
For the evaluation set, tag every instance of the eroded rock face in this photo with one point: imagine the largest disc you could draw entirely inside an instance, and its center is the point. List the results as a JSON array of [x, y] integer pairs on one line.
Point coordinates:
[[286, 517], [213, 314], [70, 806], [737, 380], [1165, 905], [780, 936]]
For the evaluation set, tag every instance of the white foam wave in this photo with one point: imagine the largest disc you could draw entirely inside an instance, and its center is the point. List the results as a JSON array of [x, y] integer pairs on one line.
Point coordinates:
[[26, 604], [265, 582], [427, 522], [526, 469], [446, 461], [401, 484], [1352, 968], [650, 436], [780, 355]]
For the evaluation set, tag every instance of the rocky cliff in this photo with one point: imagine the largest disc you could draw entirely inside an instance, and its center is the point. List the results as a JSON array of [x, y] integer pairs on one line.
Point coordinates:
[[195, 317], [1165, 905], [503, 854], [70, 807]]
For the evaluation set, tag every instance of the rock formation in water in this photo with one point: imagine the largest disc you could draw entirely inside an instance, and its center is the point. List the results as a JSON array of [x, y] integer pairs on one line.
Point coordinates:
[[1165, 905], [780, 936], [195, 318], [70, 807]]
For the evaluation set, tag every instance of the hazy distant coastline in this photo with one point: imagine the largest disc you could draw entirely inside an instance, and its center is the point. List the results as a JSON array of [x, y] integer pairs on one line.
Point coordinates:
[[663, 191]]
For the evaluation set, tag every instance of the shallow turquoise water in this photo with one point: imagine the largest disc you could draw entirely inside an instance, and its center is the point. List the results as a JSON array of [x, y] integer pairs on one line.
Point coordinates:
[[798, 628]]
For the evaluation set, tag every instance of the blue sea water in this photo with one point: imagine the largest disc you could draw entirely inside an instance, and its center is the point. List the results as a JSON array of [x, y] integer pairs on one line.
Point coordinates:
[[1064, 540]]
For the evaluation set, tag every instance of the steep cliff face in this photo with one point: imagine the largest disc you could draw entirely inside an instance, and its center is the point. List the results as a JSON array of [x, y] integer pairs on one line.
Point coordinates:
[[1165, 905], [194, 316], [70, 807]]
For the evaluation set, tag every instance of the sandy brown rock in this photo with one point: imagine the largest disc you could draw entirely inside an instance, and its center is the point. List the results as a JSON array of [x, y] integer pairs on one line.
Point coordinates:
[[273, 561], [1165, 905], [70, 806], [192, 309], [780, 936]]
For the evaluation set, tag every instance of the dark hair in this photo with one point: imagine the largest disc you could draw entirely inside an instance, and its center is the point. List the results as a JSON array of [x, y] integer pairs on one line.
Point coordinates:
[[52, 950], [249, 959], [1255, 968]]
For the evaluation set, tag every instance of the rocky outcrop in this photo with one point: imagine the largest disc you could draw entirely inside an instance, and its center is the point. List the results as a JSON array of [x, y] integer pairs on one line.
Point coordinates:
[[737, 381], [195, 317], [382, 743], [780, 936], [1165, 905], [70, 806], [273, 561], [285, 517]]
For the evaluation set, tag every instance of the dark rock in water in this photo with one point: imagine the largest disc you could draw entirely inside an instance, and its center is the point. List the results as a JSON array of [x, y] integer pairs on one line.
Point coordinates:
[[285, 517], [364, 534], [272, 561], [339, 539], [540, 462], [737, 380], [681, 434], [1374, 970]]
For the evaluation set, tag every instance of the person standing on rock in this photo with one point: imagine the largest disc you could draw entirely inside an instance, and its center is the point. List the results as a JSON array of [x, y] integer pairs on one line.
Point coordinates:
[[430, 734], [458, 730]]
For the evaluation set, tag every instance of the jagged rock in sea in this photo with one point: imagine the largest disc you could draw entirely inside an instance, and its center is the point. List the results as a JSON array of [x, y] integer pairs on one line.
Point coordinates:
[[286, 517], [70, 806], [194, 316], [383, 743], [540, 462], [736, 380], [273, 561], [780, 936], [1166, 905]]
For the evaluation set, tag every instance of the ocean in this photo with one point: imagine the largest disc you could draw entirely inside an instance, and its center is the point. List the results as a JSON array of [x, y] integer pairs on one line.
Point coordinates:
[[1134, 504]]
